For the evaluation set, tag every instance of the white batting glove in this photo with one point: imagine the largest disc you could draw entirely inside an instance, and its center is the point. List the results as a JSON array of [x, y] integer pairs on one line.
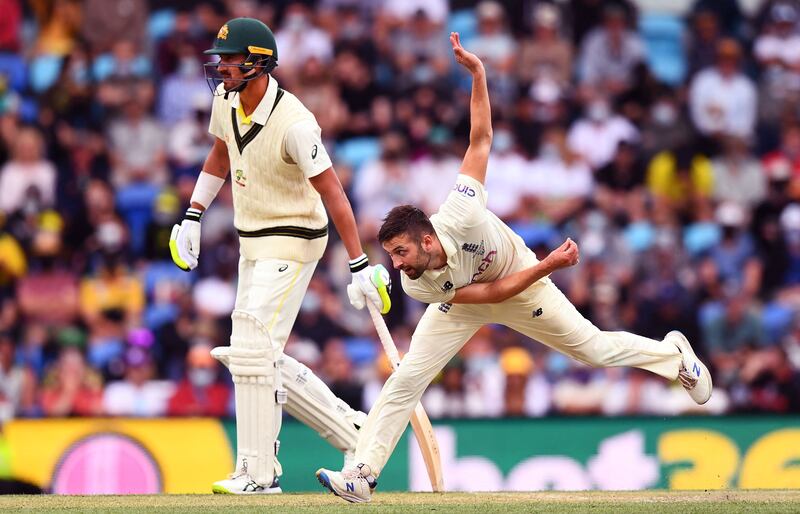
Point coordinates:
[[370, 283], [184, 242]]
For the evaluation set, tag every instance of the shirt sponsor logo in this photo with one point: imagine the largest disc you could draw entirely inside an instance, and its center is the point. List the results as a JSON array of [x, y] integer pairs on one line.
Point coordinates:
[[464, 190], [484, 265]]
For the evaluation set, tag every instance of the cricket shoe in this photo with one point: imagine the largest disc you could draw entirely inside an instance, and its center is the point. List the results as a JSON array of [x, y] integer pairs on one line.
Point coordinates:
[[353, 484], [241, 483], [693, 375]]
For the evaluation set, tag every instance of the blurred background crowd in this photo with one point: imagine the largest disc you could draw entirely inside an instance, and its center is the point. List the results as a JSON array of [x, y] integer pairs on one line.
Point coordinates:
[[663, 136]]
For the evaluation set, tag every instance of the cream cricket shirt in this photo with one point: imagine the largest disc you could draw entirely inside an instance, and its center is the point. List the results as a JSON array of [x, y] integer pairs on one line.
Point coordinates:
[[479, 247], [273, 153]]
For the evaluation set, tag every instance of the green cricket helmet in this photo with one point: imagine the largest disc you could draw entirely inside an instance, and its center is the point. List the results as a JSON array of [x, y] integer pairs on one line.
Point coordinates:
[[243, 36]]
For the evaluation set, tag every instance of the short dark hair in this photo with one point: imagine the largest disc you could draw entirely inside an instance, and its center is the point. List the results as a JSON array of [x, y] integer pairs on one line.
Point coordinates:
[[404, 219]]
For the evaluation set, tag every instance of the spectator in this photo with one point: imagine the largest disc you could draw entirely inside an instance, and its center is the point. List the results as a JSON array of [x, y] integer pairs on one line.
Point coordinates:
[[738, 176], [50, 278], [496, 48], [559, 180], [28, 179], [546, 56], [384, 183], [137, 148], [620, 184], [703, 40], [138, 394], [506, 171], [17, 384], [305, 41], [106, 22], [10, 25], [200, 393], [71, 388], [338, 372], [609, 54], [680, 178], [432, 176], [722, 99], [595, 137]]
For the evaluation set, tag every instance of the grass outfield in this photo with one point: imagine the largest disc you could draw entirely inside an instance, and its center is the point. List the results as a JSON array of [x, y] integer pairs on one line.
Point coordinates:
[[634, 502]]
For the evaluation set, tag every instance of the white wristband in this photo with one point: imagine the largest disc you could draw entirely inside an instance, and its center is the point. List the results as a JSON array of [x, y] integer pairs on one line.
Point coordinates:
[[206, 189]]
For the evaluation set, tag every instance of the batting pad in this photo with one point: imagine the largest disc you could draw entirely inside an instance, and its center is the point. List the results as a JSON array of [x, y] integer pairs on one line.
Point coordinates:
[[312, 402], [252, 362]]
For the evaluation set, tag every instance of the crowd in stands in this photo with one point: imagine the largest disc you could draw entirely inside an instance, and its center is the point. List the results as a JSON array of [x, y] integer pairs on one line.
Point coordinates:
[[664, 140]]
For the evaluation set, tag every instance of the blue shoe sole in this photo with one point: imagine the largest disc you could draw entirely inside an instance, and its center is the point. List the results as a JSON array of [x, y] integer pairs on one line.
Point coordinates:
[[325, 481]]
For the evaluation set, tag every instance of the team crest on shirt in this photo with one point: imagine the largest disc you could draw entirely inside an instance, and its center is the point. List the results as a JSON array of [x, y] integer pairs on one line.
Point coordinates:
[[240, 178], [476, 248]]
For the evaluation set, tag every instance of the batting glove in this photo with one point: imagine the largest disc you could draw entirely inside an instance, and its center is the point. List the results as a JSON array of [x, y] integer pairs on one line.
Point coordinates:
[[370, 283], [184, 242]]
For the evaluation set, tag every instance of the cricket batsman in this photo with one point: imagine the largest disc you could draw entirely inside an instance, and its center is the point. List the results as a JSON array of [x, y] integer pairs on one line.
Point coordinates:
[[282, 180], [473, 270]]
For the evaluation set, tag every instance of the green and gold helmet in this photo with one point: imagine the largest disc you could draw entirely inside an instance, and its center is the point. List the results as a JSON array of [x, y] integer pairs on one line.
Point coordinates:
[[248, 37]]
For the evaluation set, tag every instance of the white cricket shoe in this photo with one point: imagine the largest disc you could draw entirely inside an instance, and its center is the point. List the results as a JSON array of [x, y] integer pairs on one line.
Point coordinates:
[[353, 484], [694, 375], [241, 483]]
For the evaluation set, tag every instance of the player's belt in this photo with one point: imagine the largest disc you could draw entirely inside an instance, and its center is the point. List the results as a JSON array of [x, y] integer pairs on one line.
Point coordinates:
[[287, 231]]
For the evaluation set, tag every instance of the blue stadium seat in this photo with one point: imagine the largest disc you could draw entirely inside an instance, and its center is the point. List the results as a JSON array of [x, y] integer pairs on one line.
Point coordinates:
[[355, 152], [13, 67], [44, 71], [160, 24], [663, 39], [135, 203], [361, 350], [464, 22]]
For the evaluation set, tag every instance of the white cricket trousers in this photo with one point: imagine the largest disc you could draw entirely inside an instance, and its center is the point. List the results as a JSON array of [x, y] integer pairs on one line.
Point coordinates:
[[442, 332]]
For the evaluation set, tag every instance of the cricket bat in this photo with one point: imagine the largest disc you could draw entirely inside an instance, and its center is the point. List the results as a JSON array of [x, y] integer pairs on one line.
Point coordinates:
[[423, 430]]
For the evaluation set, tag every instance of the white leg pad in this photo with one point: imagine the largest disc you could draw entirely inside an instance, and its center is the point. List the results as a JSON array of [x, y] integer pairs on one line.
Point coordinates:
[[252, 362], [312, 402]]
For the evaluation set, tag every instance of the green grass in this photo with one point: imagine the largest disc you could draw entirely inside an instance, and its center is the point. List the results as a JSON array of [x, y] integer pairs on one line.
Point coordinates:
[[597, 501]]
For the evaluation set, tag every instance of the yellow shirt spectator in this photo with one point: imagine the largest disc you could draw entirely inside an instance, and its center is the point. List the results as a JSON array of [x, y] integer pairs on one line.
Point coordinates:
[[12, 260], [112, 289], [666, 180]]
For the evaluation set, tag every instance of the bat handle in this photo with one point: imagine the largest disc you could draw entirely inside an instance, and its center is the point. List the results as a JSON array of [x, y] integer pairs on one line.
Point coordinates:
[[384, 335]]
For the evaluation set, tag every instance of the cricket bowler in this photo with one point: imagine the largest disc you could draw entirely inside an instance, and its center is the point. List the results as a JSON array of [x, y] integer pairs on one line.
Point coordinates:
[[473, 270], [282, 181]]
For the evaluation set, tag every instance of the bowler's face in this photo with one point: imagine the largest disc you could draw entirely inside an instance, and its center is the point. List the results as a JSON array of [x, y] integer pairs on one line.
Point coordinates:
[[407, 255]]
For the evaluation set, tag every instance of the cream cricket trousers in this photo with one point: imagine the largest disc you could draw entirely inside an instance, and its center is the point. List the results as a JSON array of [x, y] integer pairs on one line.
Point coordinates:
[[442, 332], [272, 291]]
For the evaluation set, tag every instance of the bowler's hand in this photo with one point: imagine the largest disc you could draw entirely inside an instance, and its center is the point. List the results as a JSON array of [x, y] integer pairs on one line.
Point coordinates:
[[466, 59], [564, 256]]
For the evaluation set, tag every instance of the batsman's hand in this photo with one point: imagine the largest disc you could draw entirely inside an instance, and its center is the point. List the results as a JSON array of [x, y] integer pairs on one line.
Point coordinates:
[[184, 242], [466, 59], [564, 256], [371, 284]]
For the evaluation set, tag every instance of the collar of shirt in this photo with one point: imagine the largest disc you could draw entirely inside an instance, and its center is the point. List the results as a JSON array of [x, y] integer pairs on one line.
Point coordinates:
[[264, 108], [450, 250]]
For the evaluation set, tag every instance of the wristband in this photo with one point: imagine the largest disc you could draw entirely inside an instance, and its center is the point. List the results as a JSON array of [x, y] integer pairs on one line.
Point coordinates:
[[359, 263], [206, 188], [193, 214]]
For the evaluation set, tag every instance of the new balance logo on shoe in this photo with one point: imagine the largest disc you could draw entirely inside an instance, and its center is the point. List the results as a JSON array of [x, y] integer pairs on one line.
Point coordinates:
[[696, 369], [351, 487]]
